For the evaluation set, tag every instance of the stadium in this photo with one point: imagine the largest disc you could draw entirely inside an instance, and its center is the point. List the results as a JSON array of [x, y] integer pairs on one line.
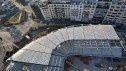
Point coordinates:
[[74, 48]]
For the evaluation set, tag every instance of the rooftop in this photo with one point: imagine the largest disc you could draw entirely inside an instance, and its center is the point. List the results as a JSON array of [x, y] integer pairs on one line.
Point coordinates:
[[41, 51]]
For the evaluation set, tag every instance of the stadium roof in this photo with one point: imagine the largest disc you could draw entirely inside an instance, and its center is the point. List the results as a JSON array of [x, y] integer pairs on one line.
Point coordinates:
[[40, 51]]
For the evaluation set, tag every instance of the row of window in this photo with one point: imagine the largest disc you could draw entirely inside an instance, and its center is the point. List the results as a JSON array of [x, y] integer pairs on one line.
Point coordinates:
[[122, 7], [80, 6], [59, 5], [116, 10], [113, 15]]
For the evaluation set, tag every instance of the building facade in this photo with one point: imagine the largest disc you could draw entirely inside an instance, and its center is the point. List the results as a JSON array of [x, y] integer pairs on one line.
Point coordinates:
[[95, 11], [116, 12]]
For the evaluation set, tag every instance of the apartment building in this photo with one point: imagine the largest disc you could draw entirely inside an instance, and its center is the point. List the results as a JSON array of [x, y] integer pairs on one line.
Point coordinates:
[[76, 9], [94, 11], [88, 10], [122, 19], [45, 11], [60, 11], [115, 12], [101, 10]]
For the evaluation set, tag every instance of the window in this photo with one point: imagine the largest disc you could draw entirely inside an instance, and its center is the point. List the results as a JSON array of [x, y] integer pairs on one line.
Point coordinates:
[[112, 16], [119, 3], [119, 13], [114, 13], [123, 7], [111, 9], [110, 12], [80, 6], [112, 6], [117, 7], [121, 10], [116, 10], [117, 16]]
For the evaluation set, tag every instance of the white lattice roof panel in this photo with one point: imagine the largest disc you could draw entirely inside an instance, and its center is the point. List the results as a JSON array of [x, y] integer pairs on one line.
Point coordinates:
[[39, 51]]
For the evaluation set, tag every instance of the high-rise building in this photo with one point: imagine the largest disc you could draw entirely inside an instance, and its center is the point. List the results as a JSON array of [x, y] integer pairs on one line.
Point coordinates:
[[101, 10], [60, 11], [116, 12], [95, 11]]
